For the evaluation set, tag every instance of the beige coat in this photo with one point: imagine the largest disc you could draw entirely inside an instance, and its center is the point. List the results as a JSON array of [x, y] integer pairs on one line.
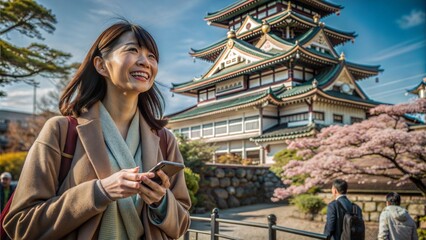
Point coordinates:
[[38, 212]]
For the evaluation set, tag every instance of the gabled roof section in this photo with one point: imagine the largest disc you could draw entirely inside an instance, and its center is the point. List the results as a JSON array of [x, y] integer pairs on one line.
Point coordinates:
[[236, 53], [271, 43], [295, 19], [418, 88], [316, 37], [248, 24], [221, 18], [339, 77], [323, 84], [229, 105]]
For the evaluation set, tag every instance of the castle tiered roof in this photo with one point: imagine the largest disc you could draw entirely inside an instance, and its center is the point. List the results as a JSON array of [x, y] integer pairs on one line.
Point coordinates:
[[286, 43], [263, 60], [281, 96], [288, 17], [222, 17]]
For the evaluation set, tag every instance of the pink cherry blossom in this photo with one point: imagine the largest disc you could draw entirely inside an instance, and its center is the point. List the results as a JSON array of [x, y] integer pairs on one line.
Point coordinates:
[[384, 145]]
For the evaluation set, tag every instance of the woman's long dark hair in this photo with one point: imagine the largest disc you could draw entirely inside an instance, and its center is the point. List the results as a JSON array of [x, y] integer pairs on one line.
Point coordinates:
[[88, 86]]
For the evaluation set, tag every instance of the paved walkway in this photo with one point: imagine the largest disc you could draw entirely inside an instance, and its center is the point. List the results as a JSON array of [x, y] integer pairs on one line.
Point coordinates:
[[258, 213]]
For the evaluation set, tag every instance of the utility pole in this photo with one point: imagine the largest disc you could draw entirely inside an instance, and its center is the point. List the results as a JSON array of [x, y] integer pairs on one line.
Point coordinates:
[[35, 85]]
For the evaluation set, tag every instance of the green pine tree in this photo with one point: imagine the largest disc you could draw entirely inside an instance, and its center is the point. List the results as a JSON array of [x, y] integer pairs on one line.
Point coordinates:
[[22, 64]]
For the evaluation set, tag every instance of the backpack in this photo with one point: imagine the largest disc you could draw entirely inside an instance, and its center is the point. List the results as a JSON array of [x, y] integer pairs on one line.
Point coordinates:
[[353, 227]]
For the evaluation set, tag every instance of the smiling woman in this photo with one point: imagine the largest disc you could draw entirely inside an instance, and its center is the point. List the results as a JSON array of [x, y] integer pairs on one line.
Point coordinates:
[[116, 103]]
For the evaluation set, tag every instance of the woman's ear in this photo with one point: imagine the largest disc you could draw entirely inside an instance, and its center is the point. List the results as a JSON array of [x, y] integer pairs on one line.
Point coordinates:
[[99, 64]]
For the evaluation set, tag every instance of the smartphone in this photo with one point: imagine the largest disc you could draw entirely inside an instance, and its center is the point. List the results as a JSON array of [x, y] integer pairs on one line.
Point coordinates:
[[168, 167]]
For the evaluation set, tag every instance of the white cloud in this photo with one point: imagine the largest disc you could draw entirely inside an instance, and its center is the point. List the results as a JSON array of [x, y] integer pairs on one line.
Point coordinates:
[[415, 18], [22, 100], [150, 13], [398, 49], [416, 77]]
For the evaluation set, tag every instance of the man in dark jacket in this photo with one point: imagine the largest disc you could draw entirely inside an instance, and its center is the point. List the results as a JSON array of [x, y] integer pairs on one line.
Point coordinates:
[[335, 213], [6, 189]]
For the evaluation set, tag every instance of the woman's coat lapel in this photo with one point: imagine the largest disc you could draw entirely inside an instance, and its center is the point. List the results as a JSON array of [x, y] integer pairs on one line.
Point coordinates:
[[90, 133]]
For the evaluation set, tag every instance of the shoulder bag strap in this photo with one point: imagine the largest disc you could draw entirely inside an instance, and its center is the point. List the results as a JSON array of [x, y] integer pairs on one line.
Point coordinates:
[[163, 142], [69, 148]]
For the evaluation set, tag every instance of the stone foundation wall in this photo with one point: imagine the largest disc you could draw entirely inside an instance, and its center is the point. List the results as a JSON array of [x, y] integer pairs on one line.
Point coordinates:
[[227, 186], [373, 204]]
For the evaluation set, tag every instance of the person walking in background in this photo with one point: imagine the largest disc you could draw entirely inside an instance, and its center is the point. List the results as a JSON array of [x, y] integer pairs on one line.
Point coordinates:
[[395, 222], [6, 188], [119, 111], [337, 208]]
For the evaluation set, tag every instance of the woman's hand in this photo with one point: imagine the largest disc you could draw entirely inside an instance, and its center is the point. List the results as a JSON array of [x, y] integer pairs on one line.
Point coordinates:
[[153, 192], [124, 183]]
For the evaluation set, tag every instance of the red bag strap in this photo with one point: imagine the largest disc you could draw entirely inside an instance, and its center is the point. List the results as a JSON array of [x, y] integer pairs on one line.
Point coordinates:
[[163, 142], [69, 149], [6, 208]]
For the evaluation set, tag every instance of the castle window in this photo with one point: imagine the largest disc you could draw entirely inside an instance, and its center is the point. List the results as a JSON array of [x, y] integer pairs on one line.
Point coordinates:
[[235, 125], [207, 130], [356, 119], [251, 123], [185, 132], [202, 95], [319, 116], [337, 118], [295, 117], [206, 94], [220, 128], [261, 15], [195, 132], [271, 11]]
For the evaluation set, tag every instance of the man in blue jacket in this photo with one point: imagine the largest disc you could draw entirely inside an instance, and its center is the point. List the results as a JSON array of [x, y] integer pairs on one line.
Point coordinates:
[[335, 213]]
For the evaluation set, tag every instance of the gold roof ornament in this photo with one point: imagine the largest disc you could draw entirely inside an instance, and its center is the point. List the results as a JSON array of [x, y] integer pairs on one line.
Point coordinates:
[[289, 6], [231, 34], [342, 57], [315, 83], [316, 18], [265, 27]]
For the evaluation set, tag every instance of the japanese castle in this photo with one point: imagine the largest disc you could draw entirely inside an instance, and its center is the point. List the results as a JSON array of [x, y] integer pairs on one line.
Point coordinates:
[[275, 76]]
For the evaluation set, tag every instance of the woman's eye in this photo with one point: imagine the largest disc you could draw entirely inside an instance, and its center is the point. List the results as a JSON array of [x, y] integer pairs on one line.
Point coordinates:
[[133, 50], [152, 56]]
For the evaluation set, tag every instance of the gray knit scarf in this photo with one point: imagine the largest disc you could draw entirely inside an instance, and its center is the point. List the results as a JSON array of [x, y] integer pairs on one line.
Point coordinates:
[[121, 219]]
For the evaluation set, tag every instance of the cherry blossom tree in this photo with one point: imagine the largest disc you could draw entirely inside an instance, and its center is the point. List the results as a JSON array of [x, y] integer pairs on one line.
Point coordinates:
[[383, 145]]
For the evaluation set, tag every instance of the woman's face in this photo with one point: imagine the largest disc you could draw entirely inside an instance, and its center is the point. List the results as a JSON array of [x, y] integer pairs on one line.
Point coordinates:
[[130, 69]]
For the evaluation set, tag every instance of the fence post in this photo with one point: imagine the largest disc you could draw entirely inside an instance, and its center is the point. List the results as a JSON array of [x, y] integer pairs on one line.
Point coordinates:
[[272, 221], [214, 224], [186, 236]]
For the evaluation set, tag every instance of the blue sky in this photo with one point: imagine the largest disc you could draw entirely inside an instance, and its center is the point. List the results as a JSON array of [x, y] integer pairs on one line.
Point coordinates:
[[391, 33]]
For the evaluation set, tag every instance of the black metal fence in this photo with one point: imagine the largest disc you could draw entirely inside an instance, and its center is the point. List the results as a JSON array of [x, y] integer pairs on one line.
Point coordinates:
[[271, 226]]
